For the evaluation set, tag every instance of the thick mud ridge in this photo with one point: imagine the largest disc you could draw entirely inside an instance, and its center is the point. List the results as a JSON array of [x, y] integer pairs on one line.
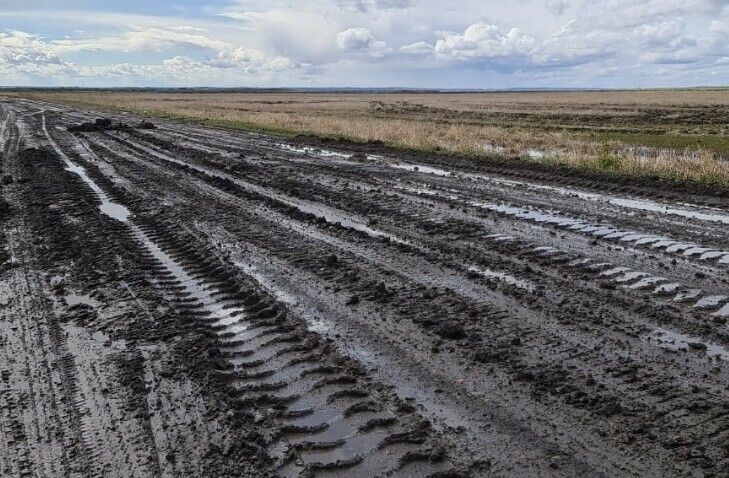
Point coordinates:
[[188, 301]]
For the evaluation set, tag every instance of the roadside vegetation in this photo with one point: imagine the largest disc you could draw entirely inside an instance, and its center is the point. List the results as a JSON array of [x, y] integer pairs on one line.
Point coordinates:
[[669, 134]]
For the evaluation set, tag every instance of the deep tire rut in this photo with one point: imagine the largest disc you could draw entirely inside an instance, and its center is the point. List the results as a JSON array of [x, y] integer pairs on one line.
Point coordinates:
[[256, 307]]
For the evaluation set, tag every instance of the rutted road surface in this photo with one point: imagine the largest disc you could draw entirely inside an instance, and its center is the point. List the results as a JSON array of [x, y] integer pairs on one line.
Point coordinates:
[[188, 301]]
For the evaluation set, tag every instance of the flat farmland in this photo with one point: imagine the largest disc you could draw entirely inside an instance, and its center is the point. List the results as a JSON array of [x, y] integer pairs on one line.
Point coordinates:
[[672, 134]]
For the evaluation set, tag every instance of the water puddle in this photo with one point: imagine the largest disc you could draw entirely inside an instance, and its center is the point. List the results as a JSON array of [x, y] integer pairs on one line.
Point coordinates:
[[416, 395], [425, 190], [689, 295], [683, 343], [647, 283], [334, 217], [418, 190], [420, 168], [426, 400], [668, 289], [337, 430], [689, 211], [535, 154], [323, 153], [656, 207], [535, 216], [354, 446], [711, 302], [108, 207], [607, 232], [631, 276], [503, 277], [491, 148], [330, 215], [76, 299], [723, 312], [219, 310], [111, 209], [314, 419], [267, 285]]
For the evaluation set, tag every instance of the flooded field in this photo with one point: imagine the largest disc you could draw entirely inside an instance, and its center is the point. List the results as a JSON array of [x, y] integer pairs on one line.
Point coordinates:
[[195, 301]]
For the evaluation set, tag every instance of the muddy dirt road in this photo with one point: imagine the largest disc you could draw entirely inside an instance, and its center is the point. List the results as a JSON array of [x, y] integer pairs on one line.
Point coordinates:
[[188, 301]]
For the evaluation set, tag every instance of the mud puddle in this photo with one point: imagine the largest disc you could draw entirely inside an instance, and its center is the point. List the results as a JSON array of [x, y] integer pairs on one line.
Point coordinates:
[[503, 277], [688, 211], [340, 439], [684, 343], [329, 214], [322, 153], [76, 299], [421, 168], [334, 217], [408, 388], [608, 232], [108, 207]]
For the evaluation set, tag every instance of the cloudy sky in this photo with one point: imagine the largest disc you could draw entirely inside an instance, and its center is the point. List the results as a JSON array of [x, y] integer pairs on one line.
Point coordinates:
[[365, 43]]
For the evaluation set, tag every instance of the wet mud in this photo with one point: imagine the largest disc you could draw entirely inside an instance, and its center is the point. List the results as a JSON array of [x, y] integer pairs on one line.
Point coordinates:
[[190, 301]]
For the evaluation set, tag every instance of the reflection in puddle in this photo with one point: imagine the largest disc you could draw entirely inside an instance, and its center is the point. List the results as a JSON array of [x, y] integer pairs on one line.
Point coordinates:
[[427, 400], [353, 447], [723, 312], [490, 148], [314, 419], [332, 216], [111, 209], [536, 216], [76, 299], [535, 154], [608, 232], [503, 277], [689, 211], [674, 341], [324, 153], [268, 285], [419, 168]]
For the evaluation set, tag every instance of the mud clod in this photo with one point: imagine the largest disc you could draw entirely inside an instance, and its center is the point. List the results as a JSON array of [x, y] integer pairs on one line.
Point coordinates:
[[451, 330], [331, 260]]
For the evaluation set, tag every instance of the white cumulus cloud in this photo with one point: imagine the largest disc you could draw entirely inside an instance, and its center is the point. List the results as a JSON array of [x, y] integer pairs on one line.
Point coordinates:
[[20, 48], [482, 40], [361, 40], [417, 48]]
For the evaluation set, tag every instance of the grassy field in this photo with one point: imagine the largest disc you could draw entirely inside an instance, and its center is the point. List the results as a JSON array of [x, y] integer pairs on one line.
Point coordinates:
[[679, 134]]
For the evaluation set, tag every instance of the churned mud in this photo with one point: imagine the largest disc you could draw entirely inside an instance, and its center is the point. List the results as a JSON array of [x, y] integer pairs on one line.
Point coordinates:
[[178, 300]]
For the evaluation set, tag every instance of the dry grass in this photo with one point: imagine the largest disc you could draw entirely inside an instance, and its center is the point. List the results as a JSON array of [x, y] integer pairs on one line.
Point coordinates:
[[675, 134]]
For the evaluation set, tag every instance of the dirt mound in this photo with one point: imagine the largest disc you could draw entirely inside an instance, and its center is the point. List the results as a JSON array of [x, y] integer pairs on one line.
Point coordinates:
[[106, 124]]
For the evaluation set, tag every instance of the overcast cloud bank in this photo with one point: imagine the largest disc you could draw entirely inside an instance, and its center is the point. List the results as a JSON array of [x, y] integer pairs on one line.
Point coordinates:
[[408, 43]]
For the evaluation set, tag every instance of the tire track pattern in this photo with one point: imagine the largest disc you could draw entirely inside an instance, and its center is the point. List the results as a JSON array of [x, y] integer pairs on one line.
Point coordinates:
[[329, 415], [518, 311], [558, 374]]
